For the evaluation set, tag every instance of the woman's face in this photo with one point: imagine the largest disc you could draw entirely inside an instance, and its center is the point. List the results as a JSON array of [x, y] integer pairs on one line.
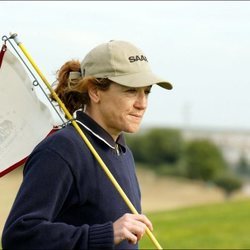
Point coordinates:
[[120, 108]]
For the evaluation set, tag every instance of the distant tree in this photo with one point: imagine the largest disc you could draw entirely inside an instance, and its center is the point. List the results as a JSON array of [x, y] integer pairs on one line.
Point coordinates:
[[137, 145], [228, 183], [243, 167], [204, 160], [164, 146], [156, 146]]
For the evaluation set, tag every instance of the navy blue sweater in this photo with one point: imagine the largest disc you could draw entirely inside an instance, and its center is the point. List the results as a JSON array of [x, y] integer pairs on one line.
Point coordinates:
[[65, 200]]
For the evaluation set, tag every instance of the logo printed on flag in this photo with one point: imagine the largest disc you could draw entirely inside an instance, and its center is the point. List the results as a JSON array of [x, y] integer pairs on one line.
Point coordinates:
[[24, 119]]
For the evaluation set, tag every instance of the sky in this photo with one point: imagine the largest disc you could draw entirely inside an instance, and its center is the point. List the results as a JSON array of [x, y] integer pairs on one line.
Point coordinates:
[[201, 47]]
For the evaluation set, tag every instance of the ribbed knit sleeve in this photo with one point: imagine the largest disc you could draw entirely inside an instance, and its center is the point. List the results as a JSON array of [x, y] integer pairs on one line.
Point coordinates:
[[101, 236]]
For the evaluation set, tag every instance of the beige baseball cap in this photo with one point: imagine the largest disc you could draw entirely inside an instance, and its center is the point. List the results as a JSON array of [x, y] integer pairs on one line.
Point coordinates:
[[121, 62]]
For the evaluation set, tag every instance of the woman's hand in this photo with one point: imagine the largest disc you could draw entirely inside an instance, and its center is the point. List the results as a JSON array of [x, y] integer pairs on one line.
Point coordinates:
[[131, 227]]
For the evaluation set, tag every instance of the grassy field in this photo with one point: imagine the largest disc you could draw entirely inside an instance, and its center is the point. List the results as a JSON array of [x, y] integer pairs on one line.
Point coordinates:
[[219, 226], [195, 216]]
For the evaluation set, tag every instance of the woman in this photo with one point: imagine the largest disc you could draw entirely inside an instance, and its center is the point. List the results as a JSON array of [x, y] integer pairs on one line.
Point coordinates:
[[65, 200]]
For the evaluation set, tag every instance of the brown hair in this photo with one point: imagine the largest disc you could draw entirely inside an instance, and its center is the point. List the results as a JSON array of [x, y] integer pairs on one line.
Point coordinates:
[[74, 92]]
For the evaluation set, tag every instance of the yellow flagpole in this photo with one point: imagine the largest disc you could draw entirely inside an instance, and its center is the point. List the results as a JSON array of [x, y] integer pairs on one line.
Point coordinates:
[[85, 139]]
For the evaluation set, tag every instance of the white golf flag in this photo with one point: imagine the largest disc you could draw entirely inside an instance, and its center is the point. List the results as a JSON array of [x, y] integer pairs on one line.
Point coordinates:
[[24, 119]]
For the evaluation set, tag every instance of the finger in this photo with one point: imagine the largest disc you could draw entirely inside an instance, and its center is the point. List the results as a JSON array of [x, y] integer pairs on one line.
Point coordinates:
[[147, 222], [138, 228], [132, 238], [142, 218]]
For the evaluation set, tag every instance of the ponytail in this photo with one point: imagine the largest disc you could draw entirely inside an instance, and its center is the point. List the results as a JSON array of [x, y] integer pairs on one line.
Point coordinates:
[[73, 91]]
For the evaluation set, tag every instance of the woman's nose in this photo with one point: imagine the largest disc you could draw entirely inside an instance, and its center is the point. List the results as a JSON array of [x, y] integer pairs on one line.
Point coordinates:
[[141, 101]]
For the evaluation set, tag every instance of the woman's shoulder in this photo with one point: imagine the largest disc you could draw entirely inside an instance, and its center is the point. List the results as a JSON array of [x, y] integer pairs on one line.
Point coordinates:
[[64, 141], [65, 145]]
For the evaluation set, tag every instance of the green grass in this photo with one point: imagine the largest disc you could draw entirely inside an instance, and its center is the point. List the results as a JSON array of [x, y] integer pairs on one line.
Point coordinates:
[[218, 226]]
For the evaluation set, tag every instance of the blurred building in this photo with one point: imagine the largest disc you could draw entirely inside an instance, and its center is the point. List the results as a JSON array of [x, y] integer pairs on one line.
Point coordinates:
[[233, 143]]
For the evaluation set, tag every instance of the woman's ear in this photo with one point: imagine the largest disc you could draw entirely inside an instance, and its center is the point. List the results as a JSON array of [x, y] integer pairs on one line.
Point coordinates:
[[93, 92]]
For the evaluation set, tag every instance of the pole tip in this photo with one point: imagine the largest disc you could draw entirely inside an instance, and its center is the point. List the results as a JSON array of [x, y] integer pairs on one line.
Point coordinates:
[[14, 36]]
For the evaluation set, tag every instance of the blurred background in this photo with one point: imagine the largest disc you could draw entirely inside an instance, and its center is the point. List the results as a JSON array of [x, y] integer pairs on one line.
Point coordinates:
[[193, 150]]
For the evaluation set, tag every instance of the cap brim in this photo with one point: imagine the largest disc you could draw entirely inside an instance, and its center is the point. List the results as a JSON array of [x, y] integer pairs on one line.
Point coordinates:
[[141, 79]]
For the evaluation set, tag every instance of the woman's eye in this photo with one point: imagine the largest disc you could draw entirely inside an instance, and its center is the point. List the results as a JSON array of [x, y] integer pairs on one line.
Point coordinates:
[[131, 90], [135, 90]]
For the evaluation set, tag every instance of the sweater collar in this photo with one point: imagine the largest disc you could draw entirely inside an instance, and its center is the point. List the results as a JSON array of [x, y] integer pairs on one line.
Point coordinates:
[[95, 129]]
